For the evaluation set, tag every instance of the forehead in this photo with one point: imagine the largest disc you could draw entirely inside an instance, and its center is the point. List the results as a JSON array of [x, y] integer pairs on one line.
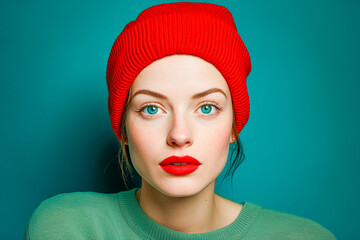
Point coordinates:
[[179, 72]]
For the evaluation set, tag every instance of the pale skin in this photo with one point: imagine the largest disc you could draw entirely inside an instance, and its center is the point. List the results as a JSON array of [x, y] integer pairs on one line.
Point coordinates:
[[177, 123]]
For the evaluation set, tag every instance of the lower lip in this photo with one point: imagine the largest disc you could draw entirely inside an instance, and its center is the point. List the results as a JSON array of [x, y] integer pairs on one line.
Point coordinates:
[[180, 169]]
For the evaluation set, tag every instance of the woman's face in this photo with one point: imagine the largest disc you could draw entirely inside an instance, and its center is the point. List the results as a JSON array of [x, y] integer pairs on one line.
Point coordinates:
[[179, 105]]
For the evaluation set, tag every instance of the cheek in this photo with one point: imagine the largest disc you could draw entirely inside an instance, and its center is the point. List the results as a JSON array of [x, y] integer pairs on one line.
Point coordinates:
[[219, 138], [220, 143], [215, 146], [141, 141], [137, 142], [137, 149]]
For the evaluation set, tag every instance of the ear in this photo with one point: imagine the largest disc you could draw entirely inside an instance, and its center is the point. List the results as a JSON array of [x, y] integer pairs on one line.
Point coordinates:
[[232, 137], [125, 138]]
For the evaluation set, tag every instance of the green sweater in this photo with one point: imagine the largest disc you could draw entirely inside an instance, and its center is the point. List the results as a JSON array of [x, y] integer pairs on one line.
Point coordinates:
[[90, 215]]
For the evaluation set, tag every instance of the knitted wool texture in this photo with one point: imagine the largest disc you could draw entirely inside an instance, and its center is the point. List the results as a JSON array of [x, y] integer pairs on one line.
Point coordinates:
[[204, 30]]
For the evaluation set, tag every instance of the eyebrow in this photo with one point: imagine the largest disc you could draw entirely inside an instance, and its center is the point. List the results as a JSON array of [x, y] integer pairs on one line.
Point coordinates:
[[195, 96]]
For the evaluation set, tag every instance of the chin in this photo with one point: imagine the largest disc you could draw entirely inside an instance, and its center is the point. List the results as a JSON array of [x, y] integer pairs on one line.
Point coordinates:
[[178, 188]]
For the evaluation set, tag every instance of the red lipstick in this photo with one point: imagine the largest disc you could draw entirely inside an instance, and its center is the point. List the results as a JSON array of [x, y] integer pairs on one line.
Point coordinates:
[[180, 165]]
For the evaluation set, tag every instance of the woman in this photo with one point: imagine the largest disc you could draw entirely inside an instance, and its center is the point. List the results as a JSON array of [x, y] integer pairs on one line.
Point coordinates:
[[177, 98]]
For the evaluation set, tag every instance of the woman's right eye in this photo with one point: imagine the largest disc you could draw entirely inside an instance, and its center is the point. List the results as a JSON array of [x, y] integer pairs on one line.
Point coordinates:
[[151, 109]]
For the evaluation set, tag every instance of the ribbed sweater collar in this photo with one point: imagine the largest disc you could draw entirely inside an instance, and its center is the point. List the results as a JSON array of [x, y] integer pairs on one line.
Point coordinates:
[[147, 228]]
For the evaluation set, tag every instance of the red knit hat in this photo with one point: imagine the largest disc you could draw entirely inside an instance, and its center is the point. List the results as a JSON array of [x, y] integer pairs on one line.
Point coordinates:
[[201, 29]]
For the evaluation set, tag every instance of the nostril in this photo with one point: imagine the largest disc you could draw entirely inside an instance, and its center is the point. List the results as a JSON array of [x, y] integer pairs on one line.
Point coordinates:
[[179, 140], [179, 135]]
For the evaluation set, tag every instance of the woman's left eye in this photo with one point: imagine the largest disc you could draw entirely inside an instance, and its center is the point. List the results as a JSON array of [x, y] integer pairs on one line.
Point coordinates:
[[209, 108]]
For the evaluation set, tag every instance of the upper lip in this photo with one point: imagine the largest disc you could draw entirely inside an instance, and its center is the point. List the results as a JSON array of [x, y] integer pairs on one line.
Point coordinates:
[[177, 159]]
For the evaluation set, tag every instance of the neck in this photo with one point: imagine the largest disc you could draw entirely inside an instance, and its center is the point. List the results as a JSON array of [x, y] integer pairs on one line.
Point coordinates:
[[193, 214]]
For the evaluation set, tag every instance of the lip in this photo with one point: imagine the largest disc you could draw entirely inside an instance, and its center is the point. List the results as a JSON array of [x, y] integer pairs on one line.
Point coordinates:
[[168, 165]]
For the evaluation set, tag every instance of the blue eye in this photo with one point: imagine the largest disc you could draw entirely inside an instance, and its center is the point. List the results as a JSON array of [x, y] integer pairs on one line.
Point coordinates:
[[151, 109], [206, 108]]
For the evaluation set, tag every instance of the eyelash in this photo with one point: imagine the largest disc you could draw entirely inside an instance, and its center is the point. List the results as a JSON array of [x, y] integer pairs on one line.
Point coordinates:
[[148, 116]]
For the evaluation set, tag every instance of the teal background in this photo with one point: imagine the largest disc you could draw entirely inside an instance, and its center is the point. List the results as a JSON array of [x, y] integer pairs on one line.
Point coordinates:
[[301, 141]]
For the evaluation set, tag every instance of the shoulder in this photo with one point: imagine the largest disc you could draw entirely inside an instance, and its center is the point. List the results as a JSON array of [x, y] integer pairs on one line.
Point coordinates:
[[70, 214], [290, 226], [79, 203]]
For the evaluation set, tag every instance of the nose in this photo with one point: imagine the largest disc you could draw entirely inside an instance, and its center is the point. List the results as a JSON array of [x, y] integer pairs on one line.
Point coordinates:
[[180, 132]]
